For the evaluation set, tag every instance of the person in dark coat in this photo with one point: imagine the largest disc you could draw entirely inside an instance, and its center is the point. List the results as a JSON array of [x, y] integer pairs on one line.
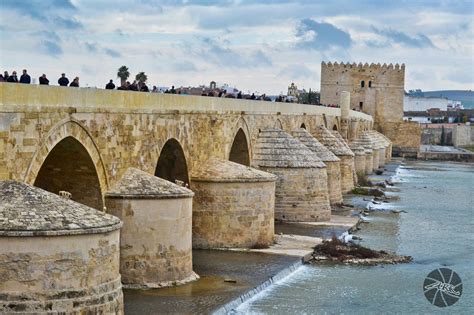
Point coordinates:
[[43, 80], [25, 77], [5, 75], [133, 86], [144, 88], [13, 78], [75, 82], [110, 85], [63, 81], [172, 91], [1, 78]]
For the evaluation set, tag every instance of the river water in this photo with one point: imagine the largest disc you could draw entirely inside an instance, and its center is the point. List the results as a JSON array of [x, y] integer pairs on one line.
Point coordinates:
[[437, 231]]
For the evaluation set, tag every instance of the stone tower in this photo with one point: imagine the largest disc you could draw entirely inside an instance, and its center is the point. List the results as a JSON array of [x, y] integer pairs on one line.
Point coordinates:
[[374, 89]]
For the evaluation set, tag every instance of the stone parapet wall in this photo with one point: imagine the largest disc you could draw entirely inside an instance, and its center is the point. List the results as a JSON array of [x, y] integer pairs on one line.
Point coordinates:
[[405, 136], [463, 135], [301, 194], [70, 274], [233, 214]]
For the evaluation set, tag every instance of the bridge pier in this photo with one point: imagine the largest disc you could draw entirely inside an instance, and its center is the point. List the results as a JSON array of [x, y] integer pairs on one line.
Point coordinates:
[[302, 187], [233, 206], [342, 152], [327, 157], [155, 241]]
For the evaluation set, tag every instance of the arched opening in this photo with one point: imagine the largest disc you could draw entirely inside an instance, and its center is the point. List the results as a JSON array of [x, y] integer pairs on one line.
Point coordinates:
[[362, 84], [334, 127], [239, 152], [172, 163], [278, 124], [370, 84], [303, 126], [69, 167]]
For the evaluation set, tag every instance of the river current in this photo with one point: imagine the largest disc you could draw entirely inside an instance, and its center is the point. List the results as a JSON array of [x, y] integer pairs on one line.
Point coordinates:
[[437, 230]]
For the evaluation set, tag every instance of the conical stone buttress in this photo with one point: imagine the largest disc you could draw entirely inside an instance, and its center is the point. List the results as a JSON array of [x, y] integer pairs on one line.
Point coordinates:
[[332, 163], [301, 189]]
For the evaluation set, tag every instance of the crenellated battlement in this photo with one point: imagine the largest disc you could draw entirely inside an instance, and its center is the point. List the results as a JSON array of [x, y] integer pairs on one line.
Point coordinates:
[[360, 66]]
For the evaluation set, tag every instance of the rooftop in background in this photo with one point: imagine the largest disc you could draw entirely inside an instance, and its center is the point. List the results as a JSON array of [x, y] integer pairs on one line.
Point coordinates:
[[466, 97]]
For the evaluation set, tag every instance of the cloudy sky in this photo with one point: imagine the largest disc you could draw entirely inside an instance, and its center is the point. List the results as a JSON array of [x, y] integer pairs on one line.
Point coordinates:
[[255, 45]]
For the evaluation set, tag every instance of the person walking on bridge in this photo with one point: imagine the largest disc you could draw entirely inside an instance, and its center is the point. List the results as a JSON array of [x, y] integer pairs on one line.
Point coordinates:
[[75, 82], [110, 85], [25, 77], [63, 81], [43, 80]]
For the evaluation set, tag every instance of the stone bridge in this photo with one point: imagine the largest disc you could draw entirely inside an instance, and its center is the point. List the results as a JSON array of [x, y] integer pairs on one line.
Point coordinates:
[[82, 140]]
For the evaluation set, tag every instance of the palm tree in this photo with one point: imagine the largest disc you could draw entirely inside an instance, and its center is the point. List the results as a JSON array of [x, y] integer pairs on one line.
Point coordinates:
[[123, 74], [141, 77]]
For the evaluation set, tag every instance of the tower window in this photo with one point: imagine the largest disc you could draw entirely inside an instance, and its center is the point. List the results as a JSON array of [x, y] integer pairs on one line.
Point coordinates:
[[362, 84], [361, 104], [370, 83]]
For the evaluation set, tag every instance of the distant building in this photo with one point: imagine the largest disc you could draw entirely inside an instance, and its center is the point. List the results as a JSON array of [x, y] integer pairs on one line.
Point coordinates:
[[421, 103]]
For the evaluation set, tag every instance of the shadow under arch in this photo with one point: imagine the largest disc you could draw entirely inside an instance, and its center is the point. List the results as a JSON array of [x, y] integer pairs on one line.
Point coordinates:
[[278, 124], [172, 164], [303, 126], [239, 152], [334, 127], [69, 167], [65, 128]]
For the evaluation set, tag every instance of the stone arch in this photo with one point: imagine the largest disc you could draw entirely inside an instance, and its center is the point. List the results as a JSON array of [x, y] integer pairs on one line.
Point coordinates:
[[278, 124], [334, 127], [239, 152], [303, 126], [172, 164], [68, 153]]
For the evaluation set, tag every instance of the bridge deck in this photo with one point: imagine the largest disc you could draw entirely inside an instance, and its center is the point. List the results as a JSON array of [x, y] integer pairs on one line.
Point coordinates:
[[91, 99]]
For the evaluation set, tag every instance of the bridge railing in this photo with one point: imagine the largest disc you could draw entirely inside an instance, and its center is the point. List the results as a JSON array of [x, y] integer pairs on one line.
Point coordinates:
[[87, 99]]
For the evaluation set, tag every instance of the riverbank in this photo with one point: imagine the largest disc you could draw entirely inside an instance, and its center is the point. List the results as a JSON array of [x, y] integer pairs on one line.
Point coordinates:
[[231, 277], [429, 218]]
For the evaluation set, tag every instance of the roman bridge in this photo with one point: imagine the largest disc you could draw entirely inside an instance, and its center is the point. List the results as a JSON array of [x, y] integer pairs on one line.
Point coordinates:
[[82, 140]]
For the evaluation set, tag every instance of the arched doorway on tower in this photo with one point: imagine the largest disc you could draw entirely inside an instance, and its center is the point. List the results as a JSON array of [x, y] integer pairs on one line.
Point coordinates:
[[239, 152], [172, 163], [69, 167]]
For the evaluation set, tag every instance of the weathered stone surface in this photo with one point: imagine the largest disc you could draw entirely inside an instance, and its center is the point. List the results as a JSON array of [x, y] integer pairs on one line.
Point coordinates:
[[332, 163], [343, 152], [359, 158], [67, 274], [219, 170], [379, 145], [30, 211], [155, 241], [314, 145], [331, 142], [56, 255], [233, 206], [276, 148], [136, 183], [302, 185], [233, 214]]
